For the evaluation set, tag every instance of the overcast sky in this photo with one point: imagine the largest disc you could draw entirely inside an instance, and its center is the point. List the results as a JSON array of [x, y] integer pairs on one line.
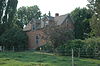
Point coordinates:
[[55, 6]]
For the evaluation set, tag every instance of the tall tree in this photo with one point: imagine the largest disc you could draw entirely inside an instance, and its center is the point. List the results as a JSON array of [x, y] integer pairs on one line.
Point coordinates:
[[95, 20], [7, 12], [25, 14], [2, 5], [14, 39], [81, 17]]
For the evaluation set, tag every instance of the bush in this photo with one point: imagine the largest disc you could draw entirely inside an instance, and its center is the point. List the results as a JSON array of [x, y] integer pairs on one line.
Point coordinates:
[[14, 39], [67, 48], [89, 48], [92, 47]]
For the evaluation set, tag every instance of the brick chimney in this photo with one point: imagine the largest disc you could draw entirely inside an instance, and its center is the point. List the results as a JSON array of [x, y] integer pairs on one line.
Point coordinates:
[[56, 14]]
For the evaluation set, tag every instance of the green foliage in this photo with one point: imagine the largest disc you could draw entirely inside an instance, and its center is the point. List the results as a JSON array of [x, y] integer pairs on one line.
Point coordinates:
[[95, 20], [7, 12], [14, 37], [93, 47], [66, 49], [11, 35], [95, 25], [25, 14], [81, 18], [84, 48]]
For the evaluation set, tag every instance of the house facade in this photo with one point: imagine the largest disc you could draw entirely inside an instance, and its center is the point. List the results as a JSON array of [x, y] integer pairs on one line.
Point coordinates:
[[34, 29]]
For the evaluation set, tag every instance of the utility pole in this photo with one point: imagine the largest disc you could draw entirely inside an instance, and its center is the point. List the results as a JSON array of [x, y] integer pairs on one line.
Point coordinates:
[[72, 57]]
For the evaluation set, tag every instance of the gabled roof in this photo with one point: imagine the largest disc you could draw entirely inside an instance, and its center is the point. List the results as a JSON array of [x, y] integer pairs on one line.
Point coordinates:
[[50, 18], [27, 27], [60, 19]]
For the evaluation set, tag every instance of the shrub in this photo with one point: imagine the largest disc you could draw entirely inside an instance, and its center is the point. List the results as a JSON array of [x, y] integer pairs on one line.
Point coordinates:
[[89, 48], [67, 48], [92, 47], [14, 37]]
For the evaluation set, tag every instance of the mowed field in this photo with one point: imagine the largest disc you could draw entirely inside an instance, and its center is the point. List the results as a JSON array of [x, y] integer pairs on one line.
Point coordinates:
[[42, 59]]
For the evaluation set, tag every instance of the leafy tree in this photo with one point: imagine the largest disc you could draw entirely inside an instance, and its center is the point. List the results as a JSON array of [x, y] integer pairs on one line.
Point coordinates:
[[14, 39], [11, 35], [25, 14], [81, 17], [58, 35], [95, 20], [7, 12]]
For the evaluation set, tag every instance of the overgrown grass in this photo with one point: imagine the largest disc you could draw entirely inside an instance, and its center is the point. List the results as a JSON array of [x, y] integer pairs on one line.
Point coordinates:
[[41, 59]]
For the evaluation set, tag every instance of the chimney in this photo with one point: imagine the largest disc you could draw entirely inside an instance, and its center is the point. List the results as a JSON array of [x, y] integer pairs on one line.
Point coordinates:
[[56, 14]]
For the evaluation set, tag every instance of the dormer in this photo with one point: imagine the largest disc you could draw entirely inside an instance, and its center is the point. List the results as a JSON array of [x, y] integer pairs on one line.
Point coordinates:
[[36, 24]]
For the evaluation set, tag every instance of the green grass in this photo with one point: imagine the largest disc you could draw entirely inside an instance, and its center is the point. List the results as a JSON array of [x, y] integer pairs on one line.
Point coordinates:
[[41, 59]]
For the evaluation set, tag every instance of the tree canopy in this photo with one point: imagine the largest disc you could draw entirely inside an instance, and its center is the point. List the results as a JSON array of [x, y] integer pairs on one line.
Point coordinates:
[[11, 34], [7, 12], [81, 17], [95, 20], [14, 37], [25, 14]]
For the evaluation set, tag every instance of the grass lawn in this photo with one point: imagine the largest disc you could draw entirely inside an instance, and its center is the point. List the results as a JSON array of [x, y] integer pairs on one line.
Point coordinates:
[[41, 59]]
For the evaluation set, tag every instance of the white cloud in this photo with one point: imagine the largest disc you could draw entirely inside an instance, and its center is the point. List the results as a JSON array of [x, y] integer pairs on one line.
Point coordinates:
[[55, 6]]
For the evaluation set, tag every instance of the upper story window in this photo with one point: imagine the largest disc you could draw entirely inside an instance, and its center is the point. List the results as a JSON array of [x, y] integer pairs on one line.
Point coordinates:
[[38, 25], [33, 27]]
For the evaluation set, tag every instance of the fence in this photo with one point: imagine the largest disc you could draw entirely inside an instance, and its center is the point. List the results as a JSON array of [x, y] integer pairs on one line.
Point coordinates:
[[73, 59]]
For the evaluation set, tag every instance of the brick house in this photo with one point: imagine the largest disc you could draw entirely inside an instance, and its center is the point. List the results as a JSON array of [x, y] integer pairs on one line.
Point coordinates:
[[34, 29]]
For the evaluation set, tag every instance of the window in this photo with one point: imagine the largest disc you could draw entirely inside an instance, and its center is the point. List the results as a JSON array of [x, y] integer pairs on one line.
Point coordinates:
[[33, 27], [37, 39]]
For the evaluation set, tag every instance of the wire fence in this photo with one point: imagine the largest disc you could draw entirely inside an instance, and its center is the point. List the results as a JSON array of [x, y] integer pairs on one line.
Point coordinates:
[[76, 57]]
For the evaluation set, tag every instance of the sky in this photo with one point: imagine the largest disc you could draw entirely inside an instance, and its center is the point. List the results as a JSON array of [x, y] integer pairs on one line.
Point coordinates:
[[54, 6]]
